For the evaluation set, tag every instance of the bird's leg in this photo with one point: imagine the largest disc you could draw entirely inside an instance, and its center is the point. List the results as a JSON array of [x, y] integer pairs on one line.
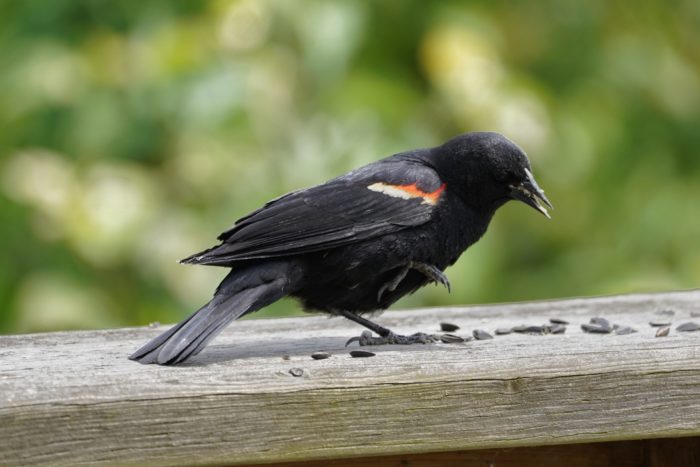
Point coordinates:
[[391, 285], [428, 270], [431, 272], [382, 331], [385, 335]]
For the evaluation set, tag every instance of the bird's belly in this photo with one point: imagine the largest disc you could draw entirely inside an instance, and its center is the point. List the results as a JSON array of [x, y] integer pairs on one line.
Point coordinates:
[[362, 295], [351, 278]]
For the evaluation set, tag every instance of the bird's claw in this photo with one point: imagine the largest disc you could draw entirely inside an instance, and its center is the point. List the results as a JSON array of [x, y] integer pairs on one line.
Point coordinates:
[[432, 273], [355, 339], [442, 279], [366, 338]]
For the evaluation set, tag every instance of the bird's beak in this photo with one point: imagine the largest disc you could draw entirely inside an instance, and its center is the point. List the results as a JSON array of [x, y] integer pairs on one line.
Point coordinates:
[[530, 193]]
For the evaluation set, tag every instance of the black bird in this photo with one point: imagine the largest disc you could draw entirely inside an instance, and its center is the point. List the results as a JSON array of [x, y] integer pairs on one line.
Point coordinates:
[[359, 242]]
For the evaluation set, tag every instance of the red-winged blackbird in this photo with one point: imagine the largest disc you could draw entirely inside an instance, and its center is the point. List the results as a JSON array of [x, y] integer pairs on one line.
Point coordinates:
[[358, 243]]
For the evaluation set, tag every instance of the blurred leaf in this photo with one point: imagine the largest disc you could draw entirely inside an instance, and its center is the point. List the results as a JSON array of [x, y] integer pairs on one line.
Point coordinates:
[[135, 131]]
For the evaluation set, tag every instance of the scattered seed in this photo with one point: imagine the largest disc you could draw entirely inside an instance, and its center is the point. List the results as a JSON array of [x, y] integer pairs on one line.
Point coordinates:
[[320, 355], [663, 332], [361, 354], [503, 331], [596, 329], [557, 329], [154, 324], [602, 322], [296, 372], [658, 324], [448, 327], [690, 326], [624, 330], [558, 321], [285, 357], [451, 339], [665, 312], [480, 335]]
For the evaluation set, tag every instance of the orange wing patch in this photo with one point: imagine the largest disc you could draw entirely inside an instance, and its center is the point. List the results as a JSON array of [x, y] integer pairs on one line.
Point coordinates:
[[408, 192]]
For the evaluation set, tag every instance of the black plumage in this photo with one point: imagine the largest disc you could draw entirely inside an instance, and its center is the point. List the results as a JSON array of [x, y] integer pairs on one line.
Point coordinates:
[[359, 242]]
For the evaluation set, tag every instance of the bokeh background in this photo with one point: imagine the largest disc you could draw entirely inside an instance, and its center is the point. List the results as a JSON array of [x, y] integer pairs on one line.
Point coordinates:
[[133, 132]]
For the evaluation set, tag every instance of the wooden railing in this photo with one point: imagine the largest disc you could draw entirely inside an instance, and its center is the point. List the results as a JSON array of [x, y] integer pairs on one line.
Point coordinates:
[[74, 398]]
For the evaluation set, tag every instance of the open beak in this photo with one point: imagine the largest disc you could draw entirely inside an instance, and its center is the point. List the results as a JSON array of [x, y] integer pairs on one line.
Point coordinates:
[[531, 194]]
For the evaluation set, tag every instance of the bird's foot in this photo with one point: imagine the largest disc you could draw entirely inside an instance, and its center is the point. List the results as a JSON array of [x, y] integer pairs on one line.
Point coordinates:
[[428, 270], [432, 273], [366, 338]]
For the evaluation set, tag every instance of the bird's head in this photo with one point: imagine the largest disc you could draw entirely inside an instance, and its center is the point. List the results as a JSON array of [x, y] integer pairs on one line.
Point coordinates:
[[489, 170]]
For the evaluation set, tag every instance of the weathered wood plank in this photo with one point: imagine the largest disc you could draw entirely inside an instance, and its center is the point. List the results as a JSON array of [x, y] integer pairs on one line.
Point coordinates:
[[74, 398], [673, 452]]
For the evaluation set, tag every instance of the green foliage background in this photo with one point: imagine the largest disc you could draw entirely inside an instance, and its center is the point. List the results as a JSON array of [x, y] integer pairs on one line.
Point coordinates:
[[132, 133]]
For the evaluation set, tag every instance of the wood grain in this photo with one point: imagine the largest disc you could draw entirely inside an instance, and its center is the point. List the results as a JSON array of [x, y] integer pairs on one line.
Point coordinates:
[[73, 398], [682, 452]]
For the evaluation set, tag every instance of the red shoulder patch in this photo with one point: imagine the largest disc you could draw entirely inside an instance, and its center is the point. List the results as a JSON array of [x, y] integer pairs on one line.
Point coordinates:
[[408, 192]]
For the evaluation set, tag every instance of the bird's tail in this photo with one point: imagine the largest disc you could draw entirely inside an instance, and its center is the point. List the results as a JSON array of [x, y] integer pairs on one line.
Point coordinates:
[[241, 292]]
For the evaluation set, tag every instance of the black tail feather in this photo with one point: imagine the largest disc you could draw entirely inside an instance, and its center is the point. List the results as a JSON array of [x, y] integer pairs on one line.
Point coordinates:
[[148, 353], [240, 293]]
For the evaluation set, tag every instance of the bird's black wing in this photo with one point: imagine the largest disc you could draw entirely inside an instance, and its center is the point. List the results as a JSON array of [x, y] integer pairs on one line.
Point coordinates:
[[375, 200]]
